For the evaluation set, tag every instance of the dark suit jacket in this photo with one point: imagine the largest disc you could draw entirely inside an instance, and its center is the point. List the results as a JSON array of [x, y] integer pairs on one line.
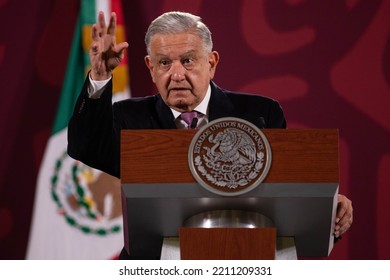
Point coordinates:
[[94, 129]]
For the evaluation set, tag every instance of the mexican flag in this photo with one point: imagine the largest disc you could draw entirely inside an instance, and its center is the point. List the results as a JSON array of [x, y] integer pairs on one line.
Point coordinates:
[[77, 210]]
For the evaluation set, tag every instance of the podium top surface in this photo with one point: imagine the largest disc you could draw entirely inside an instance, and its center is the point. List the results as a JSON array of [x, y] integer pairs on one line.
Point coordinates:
[[298, 156]]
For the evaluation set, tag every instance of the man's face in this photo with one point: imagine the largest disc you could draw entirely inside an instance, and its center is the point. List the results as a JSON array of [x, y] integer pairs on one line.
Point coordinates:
[[181, 69]]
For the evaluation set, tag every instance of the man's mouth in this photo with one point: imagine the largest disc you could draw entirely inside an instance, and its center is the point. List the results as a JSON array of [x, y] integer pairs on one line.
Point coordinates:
[[178, 90]]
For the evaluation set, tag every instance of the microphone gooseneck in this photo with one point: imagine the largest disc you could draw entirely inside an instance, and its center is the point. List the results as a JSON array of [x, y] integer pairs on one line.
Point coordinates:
[[262, 122]]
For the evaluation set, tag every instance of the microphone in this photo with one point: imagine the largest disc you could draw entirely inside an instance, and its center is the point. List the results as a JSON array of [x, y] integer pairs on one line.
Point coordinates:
[[261, 122], [194, 123]]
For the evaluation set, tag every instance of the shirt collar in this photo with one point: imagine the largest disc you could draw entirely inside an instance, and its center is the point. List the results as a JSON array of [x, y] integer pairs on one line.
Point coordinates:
[[201, 108]]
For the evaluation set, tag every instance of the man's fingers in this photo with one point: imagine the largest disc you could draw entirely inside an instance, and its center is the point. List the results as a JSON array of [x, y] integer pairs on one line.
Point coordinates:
[[101, 24], [94, 32], [105, 54], [112, 25], [341, 210], [121, 47], [343, 226], [344, 215]]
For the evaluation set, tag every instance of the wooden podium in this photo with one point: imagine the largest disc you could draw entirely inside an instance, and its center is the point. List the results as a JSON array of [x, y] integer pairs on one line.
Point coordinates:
[[299, 194]]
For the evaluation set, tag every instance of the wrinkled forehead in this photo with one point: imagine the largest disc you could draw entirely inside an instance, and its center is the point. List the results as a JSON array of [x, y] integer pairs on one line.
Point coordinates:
[[203, 34], [176, 44]]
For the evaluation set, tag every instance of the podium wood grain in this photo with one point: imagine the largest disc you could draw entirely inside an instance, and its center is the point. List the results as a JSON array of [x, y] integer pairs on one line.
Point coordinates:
[[298, 155], [227, 243]]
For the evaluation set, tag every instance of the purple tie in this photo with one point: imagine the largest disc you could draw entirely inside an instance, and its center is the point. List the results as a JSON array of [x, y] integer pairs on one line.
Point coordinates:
[[189, 117]]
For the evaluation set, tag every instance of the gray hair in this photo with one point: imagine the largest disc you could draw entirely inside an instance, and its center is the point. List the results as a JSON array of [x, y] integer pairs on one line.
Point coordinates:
[[179, 22]]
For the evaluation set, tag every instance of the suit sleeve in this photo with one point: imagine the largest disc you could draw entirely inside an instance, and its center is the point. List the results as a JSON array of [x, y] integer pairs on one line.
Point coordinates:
[[92, 137], [275, 116]]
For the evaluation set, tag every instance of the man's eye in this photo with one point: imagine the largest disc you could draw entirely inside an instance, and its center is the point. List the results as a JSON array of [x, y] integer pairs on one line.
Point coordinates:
[[164, 62], [187, 61]]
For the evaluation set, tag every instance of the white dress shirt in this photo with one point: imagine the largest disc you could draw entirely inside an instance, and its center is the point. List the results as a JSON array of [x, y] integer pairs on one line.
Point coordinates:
[[201, 109]]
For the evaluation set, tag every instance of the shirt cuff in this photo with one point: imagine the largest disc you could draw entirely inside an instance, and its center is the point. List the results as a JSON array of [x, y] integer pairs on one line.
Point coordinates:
[[95, 88]]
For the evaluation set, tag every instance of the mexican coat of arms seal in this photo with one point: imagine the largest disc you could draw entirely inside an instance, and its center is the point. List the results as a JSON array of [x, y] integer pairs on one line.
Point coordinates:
[[229, 156]]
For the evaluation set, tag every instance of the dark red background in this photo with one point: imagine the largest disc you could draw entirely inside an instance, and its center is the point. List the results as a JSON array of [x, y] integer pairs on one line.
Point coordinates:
[[327, 62]]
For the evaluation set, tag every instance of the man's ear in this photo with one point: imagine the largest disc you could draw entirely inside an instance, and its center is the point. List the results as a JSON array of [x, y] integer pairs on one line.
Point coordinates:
[[150, 66], [213, 61]]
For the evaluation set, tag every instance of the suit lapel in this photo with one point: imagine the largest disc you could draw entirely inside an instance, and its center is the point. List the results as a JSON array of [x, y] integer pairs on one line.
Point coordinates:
[[220, 105], [165, 118]]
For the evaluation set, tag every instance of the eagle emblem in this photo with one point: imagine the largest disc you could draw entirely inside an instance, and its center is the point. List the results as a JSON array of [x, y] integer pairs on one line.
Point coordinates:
[[229, 156]]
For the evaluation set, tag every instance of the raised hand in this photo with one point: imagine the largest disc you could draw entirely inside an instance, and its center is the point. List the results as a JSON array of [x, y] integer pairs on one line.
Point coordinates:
[[105, 54]]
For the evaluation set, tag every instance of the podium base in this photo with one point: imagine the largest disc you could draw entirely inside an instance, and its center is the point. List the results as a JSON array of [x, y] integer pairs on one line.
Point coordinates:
[[285, 249]]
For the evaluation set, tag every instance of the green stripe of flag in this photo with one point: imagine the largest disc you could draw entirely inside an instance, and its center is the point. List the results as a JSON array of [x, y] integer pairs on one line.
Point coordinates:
[[88, 11], [78, 61], [73, 81]]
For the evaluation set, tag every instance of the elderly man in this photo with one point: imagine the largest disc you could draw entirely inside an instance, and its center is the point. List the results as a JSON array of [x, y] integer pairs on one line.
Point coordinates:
[[182, 64]]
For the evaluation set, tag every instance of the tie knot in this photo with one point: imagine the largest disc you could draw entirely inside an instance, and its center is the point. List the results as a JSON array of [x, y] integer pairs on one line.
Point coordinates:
[[188, 117]]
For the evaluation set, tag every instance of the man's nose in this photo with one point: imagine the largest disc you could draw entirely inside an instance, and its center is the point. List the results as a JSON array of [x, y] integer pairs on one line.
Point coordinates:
[[177, 72]]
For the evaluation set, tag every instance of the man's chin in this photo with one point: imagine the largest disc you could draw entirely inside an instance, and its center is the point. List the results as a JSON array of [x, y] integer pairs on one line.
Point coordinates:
[[181, 105]]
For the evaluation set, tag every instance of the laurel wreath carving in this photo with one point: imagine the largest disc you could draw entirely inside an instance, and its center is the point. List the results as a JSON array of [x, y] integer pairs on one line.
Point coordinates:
[[229, 175]]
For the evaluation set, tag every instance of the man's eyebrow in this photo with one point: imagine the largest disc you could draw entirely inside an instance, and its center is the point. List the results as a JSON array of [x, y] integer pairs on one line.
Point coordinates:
[[190, 52], [161, 55]]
